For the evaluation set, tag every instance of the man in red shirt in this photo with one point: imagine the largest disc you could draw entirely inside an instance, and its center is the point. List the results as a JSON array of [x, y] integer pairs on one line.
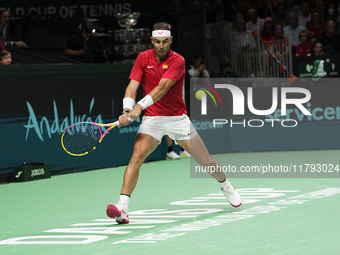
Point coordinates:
[[161, 73]]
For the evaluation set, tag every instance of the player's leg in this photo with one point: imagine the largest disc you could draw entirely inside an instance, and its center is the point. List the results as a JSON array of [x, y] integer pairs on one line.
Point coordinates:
[[199, 152], [143, 146]]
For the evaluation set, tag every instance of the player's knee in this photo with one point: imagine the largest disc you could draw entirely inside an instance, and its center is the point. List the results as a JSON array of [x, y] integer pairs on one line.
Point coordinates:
[[138, 155]]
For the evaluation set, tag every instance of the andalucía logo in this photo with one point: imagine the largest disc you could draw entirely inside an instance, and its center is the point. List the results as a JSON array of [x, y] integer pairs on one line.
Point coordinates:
[[201, 95]]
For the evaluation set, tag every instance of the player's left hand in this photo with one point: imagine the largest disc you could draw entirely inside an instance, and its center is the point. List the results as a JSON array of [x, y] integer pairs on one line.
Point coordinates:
[[135, 112]]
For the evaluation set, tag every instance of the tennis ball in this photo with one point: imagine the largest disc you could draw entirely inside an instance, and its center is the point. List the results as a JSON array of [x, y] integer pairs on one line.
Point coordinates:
[[199, 94]]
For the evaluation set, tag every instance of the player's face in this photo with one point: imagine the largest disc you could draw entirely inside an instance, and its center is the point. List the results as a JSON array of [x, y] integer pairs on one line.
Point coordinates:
[[161, 45]]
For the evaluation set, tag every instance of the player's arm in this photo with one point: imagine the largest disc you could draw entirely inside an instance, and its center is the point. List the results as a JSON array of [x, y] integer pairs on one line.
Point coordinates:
[[131, 90], [129, 101], [155, 94], [159, 91]]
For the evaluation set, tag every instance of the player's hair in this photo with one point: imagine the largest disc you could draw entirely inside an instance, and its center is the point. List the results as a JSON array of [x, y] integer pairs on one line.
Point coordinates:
[[161, 26], [3, 54]]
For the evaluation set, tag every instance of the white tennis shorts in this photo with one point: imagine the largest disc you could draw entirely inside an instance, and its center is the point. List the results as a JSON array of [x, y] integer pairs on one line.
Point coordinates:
[[176, 127]]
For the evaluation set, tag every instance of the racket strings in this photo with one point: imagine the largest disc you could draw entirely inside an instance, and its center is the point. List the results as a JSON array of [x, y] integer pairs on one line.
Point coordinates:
[[80, 139]]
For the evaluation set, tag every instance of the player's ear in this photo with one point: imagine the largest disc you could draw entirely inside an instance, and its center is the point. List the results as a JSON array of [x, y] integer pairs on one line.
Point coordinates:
[[171, 39]]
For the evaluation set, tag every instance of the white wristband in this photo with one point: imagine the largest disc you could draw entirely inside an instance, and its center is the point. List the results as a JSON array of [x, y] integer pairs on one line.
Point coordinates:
[[146, 101], [128, 103]]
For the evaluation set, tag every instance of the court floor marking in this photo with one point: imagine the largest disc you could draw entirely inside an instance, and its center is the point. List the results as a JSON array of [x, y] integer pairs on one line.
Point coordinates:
[[143, 216]]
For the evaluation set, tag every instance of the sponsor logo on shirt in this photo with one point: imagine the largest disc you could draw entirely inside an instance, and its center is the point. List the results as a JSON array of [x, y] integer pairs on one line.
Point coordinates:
[[165, 66]]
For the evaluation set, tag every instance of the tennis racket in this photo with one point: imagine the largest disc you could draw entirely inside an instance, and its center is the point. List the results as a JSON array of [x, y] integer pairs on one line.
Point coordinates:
[[83, 137]]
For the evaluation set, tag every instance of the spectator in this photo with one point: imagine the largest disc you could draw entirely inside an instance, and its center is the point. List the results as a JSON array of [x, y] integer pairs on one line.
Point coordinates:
[[317, 49], [280, 16], [77, 44], [330, 13], [5, 58], [2, 45], [267, 31], [291, 7], [255, 23], [304, 16], [338, 18], [305, 46], [330, 40], [6, 31], [219, 10], [293, 30], [243, 7], [225, 72], [218, 14], [170, 154], [320, 7], [316, 27], [198, 68], [239, 25], [266, 9], [244, 44], [280, 47], [242, 40]]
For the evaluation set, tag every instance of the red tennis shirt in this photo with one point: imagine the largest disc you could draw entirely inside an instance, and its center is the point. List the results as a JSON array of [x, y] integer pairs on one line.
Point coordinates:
[[148, 71]]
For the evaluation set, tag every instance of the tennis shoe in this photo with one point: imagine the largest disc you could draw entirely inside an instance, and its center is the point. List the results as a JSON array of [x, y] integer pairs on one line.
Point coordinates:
[[185, 154], [119, 212], [232, 195], [172, 155]]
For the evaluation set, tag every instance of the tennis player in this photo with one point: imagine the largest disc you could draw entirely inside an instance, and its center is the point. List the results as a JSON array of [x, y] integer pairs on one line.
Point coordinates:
[[161, 72]]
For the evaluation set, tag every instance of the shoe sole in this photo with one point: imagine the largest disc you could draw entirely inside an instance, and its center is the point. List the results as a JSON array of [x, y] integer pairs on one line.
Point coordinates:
[[113, 212], [235, 205], [172, 158]]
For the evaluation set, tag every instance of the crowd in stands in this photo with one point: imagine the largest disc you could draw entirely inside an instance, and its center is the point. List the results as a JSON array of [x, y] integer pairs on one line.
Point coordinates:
[[303, 22], [312, 26]]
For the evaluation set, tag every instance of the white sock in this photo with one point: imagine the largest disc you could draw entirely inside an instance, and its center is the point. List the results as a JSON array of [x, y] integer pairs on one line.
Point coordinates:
[[223, 184], [124, 199]]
